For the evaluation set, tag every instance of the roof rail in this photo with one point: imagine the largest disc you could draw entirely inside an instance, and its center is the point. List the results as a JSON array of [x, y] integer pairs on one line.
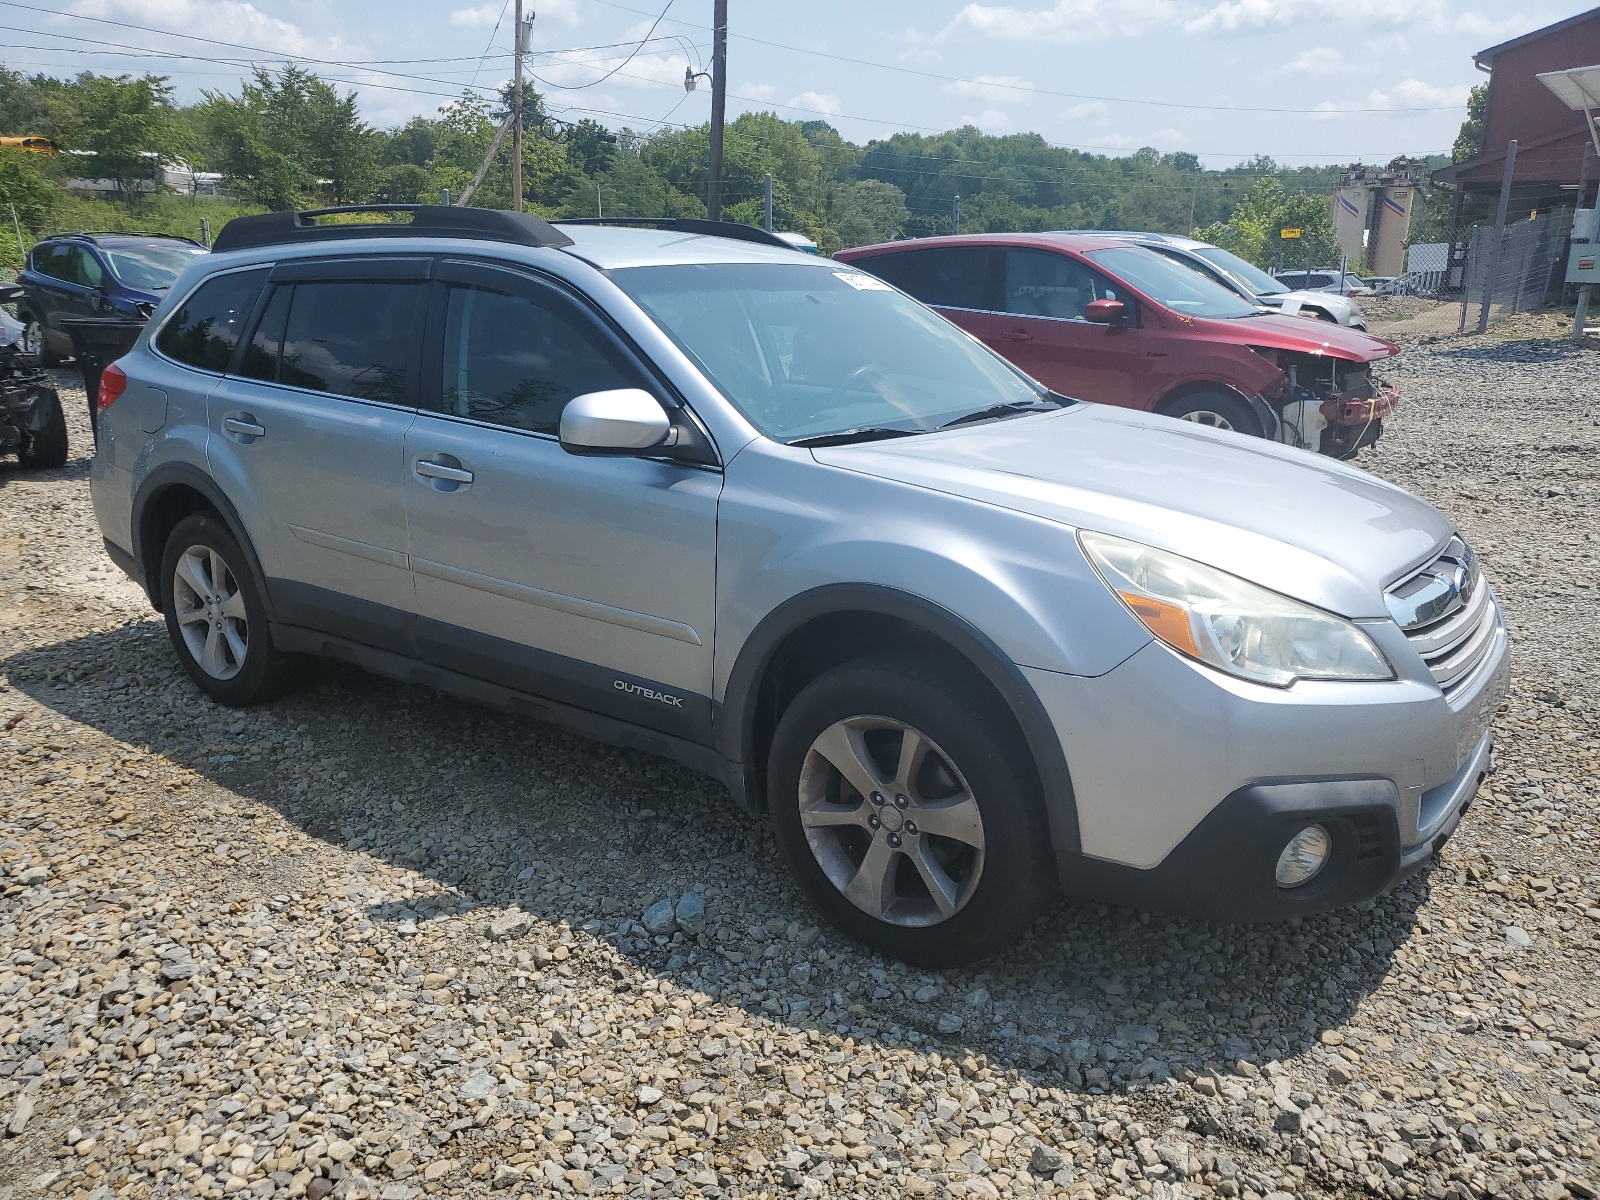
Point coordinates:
[[89, 235], [427, 220], [723, 229]]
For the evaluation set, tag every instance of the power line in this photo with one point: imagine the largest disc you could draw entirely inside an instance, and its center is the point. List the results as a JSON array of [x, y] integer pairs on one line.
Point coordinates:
[[493, 33], [863, 62], [647, 36]]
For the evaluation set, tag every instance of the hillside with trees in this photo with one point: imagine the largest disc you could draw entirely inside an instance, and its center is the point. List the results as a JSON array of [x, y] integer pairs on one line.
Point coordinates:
[[290, 139]]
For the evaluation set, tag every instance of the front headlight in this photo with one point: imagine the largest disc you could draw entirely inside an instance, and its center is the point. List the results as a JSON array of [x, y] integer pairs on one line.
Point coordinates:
[[1230, 624]]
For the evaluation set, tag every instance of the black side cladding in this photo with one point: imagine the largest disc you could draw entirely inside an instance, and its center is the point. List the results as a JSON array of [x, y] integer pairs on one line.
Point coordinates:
[[427, 220]]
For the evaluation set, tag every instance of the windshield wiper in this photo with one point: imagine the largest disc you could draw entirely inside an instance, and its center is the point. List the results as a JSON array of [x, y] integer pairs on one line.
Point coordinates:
[[1015, 407], [866, 433]]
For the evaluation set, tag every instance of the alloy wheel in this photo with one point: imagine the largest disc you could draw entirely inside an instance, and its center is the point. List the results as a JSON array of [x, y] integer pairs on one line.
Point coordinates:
[[210, 611], [1205, 416], [891, 821], [32, 339]]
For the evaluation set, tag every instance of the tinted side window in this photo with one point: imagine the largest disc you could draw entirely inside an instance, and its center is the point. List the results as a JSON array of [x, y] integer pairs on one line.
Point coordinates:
[[1041, 284], [260, 359], [516, 362], [87, 269], [54, 261], [957, 277], [351, 339], [208, 325]]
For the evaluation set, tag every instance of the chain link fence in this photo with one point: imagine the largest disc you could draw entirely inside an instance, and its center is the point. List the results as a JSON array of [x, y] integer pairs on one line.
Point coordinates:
[[1492, 278]]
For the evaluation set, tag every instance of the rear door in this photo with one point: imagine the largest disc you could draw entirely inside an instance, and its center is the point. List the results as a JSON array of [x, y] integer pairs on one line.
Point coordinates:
[[1045, 332], [588, 580], [60, 294], [307, 436]]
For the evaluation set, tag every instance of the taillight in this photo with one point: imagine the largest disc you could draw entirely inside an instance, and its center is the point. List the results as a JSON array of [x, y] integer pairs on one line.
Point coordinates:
[[112, 384]]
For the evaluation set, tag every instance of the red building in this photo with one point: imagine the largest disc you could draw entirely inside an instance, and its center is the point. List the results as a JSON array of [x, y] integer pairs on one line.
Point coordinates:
[[1550, 136]]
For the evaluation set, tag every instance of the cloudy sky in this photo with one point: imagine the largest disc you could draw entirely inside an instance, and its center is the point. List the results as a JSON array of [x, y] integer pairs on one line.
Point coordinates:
[[1301, 80]]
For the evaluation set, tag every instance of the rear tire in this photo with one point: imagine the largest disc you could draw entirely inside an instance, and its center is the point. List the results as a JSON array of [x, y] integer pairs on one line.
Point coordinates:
[[216, 617], [47, 449], [929, 751], [1217, 410]]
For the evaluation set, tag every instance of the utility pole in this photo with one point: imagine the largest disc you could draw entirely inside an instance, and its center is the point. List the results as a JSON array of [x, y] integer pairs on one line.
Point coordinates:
[[719, 104], [955, 214], [516, 115], [1492, 267], [766, 203]]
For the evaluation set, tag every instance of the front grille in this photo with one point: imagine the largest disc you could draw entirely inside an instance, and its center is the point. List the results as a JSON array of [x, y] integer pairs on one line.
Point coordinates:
[[1449, 615]]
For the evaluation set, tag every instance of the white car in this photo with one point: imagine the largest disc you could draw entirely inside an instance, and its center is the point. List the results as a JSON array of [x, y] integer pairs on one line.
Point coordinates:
[[1250, 281], [1324, 281]]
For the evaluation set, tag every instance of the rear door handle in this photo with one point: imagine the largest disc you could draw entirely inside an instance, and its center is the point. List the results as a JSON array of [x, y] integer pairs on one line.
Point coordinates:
[[243, 427], [1017, 335], [430, 469]]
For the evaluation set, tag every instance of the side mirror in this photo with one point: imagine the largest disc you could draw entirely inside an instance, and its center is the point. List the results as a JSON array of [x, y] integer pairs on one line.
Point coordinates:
[[1106, 312], [622, 421]]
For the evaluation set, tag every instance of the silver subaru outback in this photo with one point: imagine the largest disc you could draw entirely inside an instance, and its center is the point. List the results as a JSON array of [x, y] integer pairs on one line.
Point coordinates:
[[965, 643]]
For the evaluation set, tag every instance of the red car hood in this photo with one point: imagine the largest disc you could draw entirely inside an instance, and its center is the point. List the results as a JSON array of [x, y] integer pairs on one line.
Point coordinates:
[[1299, 334]]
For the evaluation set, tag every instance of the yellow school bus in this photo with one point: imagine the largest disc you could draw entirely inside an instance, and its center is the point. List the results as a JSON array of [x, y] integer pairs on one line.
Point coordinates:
[[30, 142]]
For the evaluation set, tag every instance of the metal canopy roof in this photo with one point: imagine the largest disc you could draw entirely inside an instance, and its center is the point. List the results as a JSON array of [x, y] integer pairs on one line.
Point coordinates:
[[1579, 89]]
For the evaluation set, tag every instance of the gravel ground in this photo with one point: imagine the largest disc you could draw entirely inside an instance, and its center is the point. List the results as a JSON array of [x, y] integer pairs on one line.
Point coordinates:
[[372, 941]]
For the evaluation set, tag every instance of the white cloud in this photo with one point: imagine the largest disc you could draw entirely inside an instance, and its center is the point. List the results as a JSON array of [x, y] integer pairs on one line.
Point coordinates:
[[485, 16], [241, 21], [1413, 93], [1167, 139], [990, 120], [993, 88], [1233, 15], [1323, 60], [1094, 112], [1066, 20], [1389, 43], [817, 102], [757, 91]]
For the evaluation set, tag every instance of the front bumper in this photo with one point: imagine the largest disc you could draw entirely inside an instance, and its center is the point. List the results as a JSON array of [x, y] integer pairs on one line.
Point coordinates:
[[1188, 783]]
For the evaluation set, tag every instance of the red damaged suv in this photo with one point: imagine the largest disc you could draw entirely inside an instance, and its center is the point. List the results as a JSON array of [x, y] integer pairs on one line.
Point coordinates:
[[1099, 319]]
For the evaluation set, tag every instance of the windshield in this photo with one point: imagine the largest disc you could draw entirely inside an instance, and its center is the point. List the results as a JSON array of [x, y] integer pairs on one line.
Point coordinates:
[[149, 268], [1166, 282], [809, 350], [1254, 279]]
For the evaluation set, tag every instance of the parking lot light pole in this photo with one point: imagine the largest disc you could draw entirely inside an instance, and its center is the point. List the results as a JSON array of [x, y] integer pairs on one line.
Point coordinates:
[[719, 105], [516, 115]]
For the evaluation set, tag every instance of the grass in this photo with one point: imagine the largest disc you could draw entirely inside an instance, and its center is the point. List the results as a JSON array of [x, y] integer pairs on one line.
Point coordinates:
[[154, 214]]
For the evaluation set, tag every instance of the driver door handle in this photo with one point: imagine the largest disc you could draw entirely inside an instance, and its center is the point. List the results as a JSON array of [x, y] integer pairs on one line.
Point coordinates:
[[437, 470], [1017, 335], [243, 428]]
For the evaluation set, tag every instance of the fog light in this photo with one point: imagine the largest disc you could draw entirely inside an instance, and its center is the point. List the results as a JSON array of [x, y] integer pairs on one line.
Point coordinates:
[[1305, 855]]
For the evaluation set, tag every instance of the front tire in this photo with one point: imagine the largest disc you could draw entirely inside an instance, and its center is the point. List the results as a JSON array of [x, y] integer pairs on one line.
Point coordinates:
[[47, 449], [1217, 410], [34, 344], [907, 805], [216, 618]]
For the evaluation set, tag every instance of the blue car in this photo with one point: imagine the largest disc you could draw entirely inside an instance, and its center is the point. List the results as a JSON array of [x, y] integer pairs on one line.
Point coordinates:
[[75, 275]]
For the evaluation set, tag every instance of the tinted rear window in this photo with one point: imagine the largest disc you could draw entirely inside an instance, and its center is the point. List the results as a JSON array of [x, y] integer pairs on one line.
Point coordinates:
[[207, 326], [951, 277], [351, 339]]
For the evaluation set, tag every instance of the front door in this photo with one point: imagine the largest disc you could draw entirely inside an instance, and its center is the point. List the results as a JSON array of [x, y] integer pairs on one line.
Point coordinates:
[[590, 581], [1044, 331], [308, 437]]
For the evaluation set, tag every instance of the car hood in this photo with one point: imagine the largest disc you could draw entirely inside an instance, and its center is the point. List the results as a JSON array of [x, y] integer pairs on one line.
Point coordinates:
[[1279, 331], [1332, 301], [1299, 523]]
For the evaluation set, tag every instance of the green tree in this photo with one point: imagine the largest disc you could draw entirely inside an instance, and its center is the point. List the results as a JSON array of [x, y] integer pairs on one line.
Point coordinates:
[[28, 104], [130, 125], [1470, 136], [292, 138], [26, 187], [1254, 230]]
